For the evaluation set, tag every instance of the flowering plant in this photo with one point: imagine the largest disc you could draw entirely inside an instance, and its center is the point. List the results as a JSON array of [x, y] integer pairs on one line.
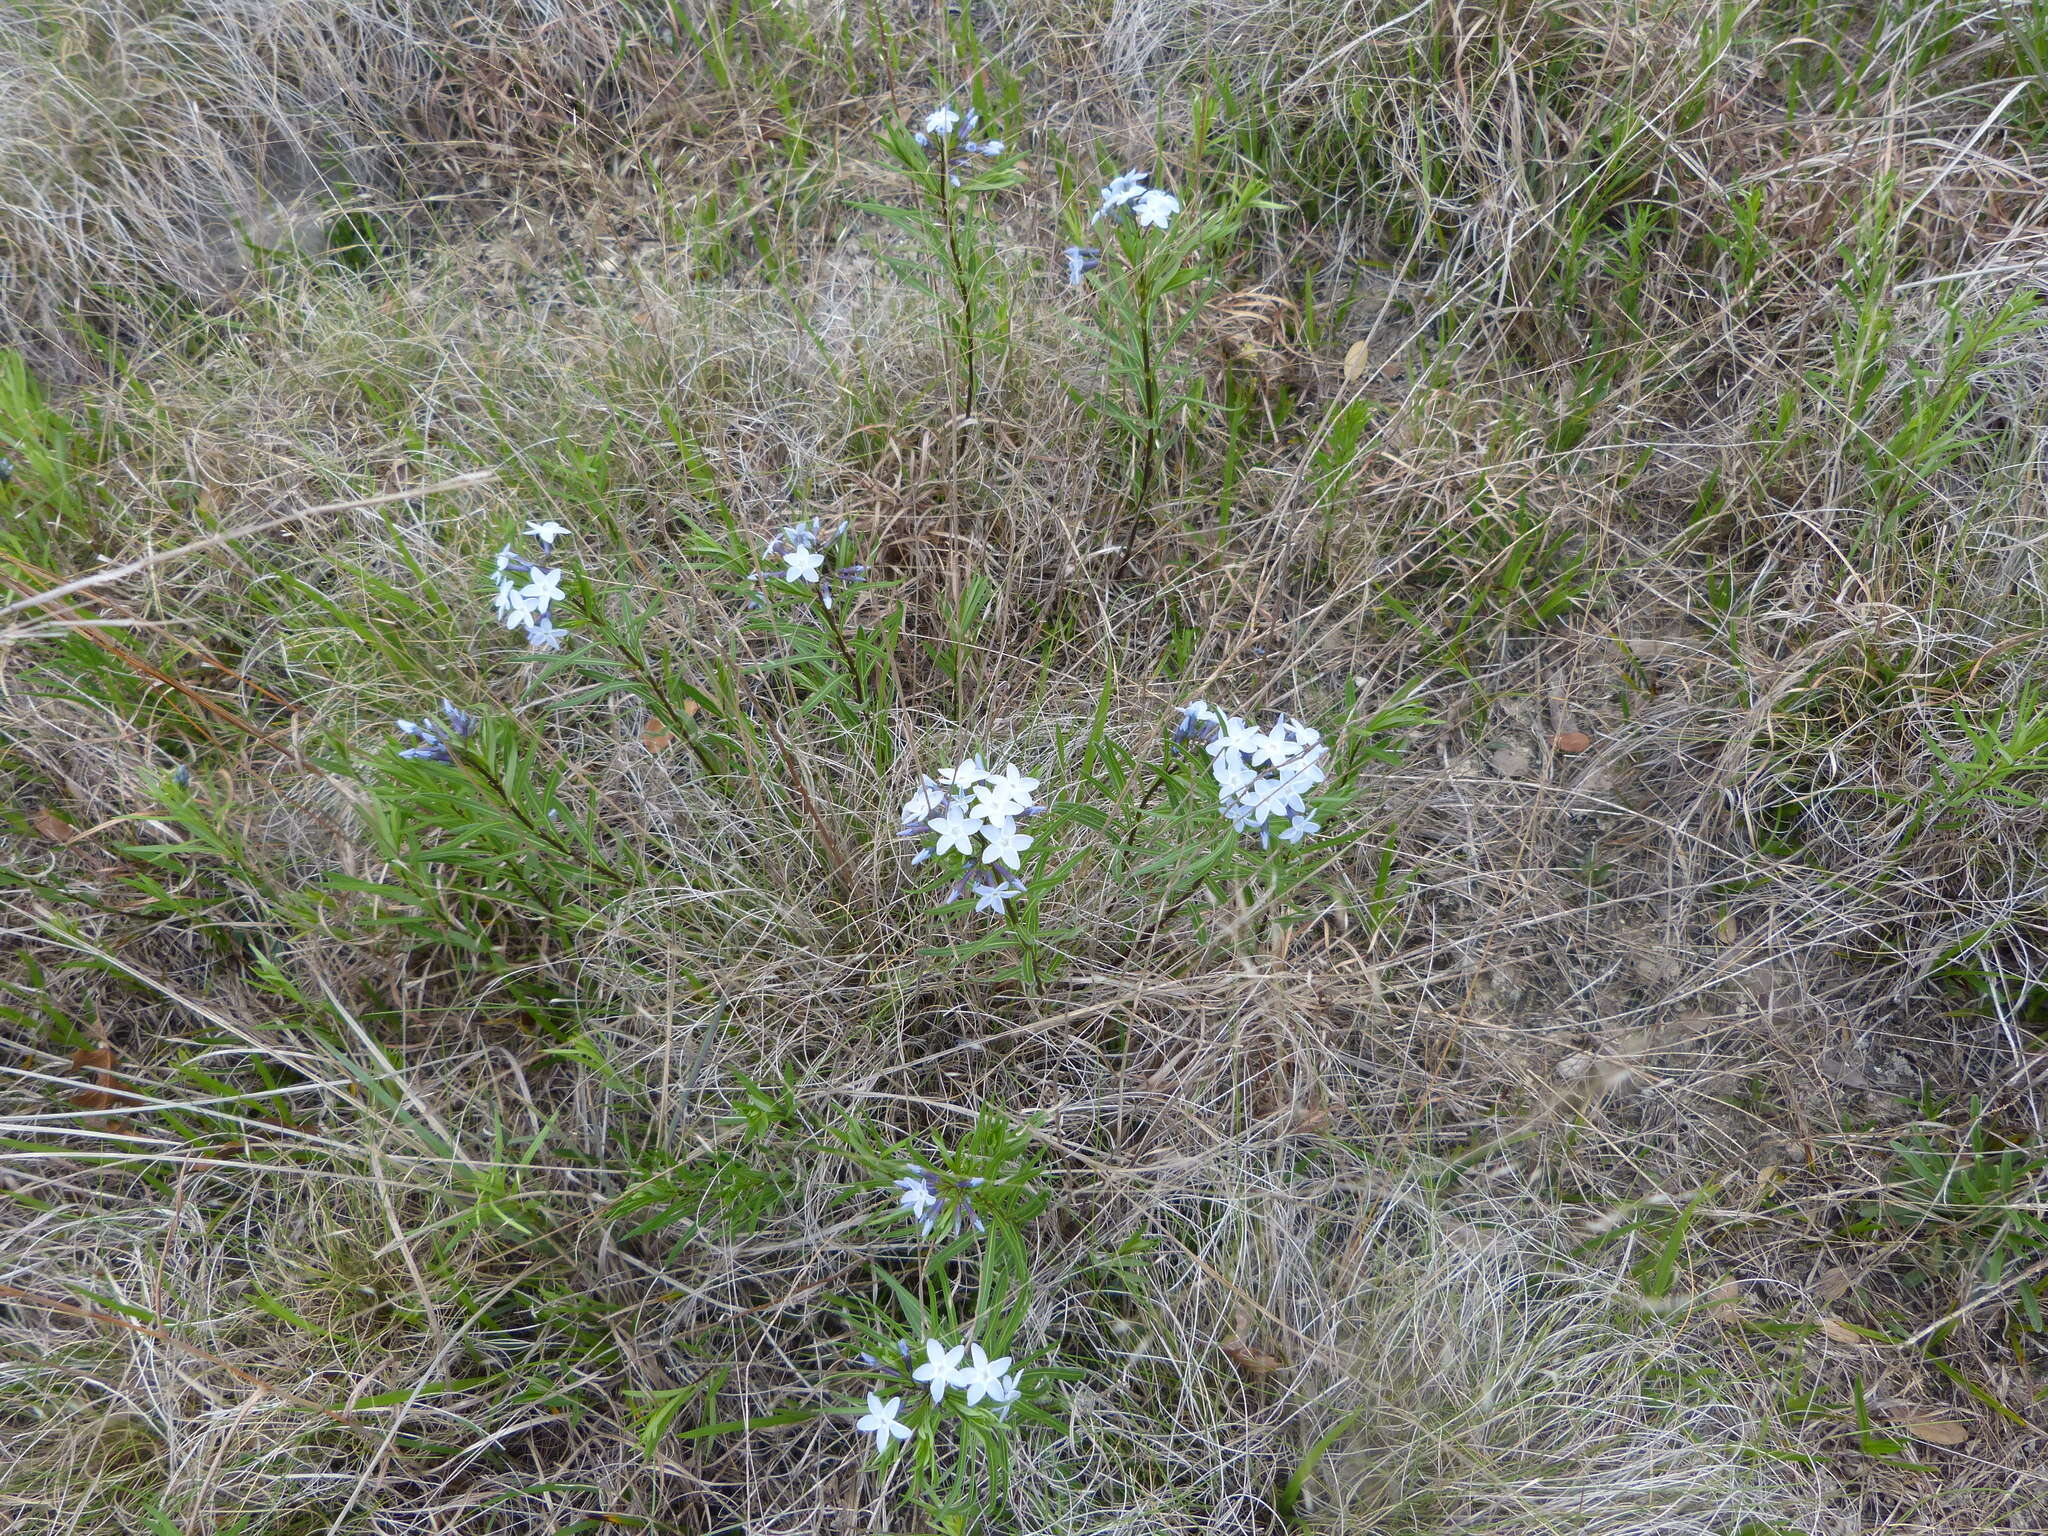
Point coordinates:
[[527, 593], [1263, 778], [934, 1198], [949, 169], [805, 553], [1147, 253], [431, 737], [976, 817]]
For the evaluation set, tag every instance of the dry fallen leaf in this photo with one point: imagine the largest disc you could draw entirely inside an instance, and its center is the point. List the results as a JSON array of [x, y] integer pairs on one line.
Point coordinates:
[[1511, 762], [1841, 1332], [98, 1067], [52, 826], [1571, 741], [1356, 357], [1253, 1362], [1934, 1431], [657, 737], [1833, 1284], [1724, 1302]]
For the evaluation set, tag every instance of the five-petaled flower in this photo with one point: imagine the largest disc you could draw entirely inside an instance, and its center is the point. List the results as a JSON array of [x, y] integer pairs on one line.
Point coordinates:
[[1006, 845], [542, 591], [941, 1368], [996, 897], [957, 831], [983, 1378], [882, 1422], [803, 565], [1155, 210], [918, 1197], [803, 549], [546, 532]]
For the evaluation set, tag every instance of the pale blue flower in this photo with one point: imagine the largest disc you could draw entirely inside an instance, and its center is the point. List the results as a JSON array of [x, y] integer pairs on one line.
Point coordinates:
[[543, 634], [982, 1377], [882, 1422], [941, 1368], [434, 736], [1155, 209]]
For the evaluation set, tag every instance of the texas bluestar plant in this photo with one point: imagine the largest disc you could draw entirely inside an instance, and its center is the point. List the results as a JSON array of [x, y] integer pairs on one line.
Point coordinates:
[[527, 593], [1263, 778], [433, 737], [976, 817], [804, 552], [936, 1200]]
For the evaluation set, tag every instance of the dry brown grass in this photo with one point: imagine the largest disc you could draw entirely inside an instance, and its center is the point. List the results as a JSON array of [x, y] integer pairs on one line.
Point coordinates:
[[1522, 1163]]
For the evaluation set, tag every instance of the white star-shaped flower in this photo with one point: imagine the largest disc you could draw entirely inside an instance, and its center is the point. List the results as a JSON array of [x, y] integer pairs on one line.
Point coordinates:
[[941, 120], [543, 589], [983, 1377], [544, 635], [1232, 774], [546, 532], [1018, 786], [1273, 748], [917, 1197], [941, 1368], [966, 776], [803, 565], [929, 800], [1006, 845], [1238, 736], [991, 898], [881, 1421], [1004, 1393], [956, 831], [1302, 735], [1155, 210], [1300, 829]]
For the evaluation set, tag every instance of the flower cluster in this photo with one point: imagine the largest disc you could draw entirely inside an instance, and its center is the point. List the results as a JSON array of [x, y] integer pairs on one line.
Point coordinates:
[[951, 129], [934, 1198], [1127, 197], [1262, 777], [964, 1368], [433, 736], [527, 592], [978, 814], [802, 549]]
